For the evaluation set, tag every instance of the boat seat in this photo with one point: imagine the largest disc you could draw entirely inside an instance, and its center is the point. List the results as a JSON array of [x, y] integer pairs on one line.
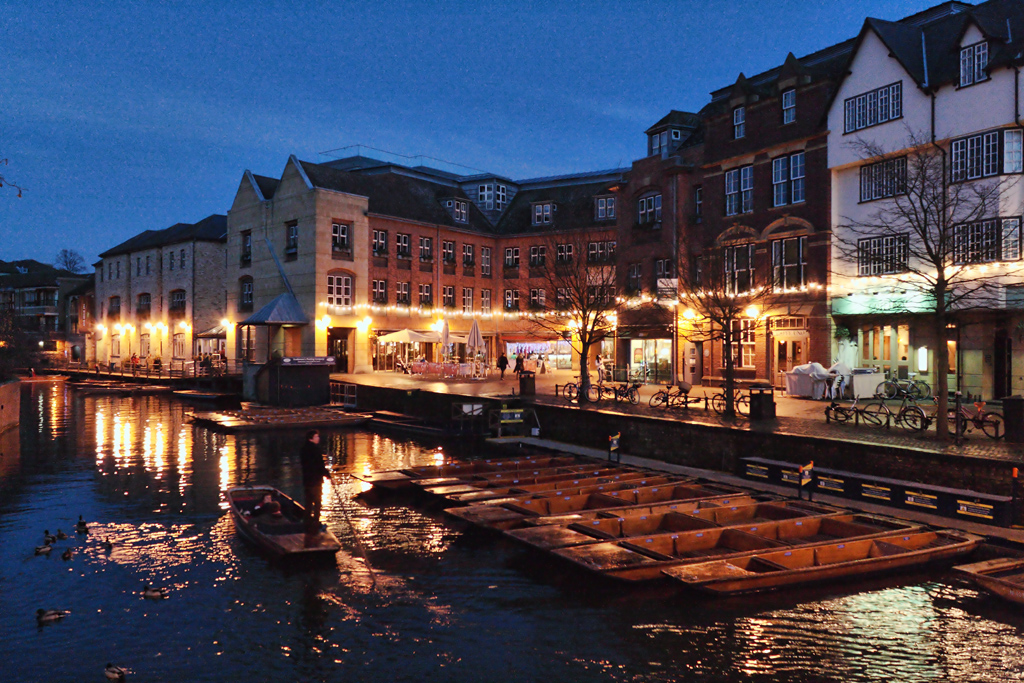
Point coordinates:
[[883, 549]]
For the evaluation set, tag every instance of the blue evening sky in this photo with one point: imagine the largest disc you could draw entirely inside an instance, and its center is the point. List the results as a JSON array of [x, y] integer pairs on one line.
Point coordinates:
[[119, 117]]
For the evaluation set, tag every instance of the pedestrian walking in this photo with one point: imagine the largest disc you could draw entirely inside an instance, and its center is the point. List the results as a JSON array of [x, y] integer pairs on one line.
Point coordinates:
[[502, 364], [313, 473], [600, 368], [519, 364]]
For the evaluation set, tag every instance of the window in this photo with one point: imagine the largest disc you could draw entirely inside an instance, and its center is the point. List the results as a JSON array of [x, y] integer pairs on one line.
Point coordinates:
[[460, 210], [114, 307], [178, 345], [245, 294], [747, 189], [115, 345], [402, 293], [605, 208], [662, 268], [512, 257], [291, 243], [634, 278], [448, 251], [542, 213], [403, 249], [538, 256], [485, 196], [978, 156], [563, 253], [110, 270], [788, 179], [788, 106], [380, 291], [246, 254], [743, 343], [145, 347], [883, 179], [448, 296], [170, 261], [117, 267], [600, 252], [739, 122], [467, 299], [426, 249], [339, 290], [698, 204], [872, 108], [601, 294], [485, 301], [380, 242], [649, 210], [101, 273], [511, 299], [732, 192], [340, 236], [882, 255], [789, 262], [138, 266], [659, 143], [987, 241], [485, 261], [500, 197], [182, 263], [562, 298], [536, 299], [973, 60], [467, 255], [426, 296], [1012, 150], [739, 268], [149, 260], [142, 305], [178, 300]]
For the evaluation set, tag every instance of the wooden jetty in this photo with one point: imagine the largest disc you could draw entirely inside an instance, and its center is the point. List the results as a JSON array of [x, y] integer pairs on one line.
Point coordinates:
[[268, 419]]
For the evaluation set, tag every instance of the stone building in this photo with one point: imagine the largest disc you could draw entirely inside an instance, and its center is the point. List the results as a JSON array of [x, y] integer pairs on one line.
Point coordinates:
[[160, 295], [38, 296]]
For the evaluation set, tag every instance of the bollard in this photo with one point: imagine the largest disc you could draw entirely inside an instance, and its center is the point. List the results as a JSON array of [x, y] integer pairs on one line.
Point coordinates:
[[1015, 503]]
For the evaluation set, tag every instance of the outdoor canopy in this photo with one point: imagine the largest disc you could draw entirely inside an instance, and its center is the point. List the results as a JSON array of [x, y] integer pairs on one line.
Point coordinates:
[[410, 336], [283, 310]]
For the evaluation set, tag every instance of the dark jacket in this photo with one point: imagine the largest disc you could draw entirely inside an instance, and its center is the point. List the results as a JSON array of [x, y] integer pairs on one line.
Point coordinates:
[[313, 468], [502, 362]]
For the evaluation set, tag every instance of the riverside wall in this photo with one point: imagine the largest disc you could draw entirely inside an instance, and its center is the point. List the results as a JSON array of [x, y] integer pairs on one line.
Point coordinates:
[[10, 405]]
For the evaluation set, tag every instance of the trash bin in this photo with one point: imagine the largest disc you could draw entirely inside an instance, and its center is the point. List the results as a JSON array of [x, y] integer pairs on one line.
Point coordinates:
[[1013, 418], [762, 402], [527, 383]]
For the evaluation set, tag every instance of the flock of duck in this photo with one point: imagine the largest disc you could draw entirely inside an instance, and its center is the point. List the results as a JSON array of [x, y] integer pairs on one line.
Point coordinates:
[[48, 616]]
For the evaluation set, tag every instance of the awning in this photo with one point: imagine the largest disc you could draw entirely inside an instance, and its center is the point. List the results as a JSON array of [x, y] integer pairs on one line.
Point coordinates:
[[790, 335], [283, 310], [410, 336], [218, 332]]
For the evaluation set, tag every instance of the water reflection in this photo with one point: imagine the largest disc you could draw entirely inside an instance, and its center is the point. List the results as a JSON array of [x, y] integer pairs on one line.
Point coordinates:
[[426, 602]]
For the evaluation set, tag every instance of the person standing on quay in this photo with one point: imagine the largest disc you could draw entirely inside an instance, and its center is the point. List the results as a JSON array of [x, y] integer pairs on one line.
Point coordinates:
[[313, 473], [502, 364]]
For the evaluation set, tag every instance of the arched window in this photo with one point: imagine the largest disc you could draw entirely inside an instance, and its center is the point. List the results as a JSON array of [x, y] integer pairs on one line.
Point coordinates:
[[245, 293], [339, 288]]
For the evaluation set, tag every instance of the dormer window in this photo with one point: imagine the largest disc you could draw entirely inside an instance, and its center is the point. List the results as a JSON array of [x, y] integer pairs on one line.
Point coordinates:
[[491, 196], [677, 134], [604, 208], [659, 143], [542, 213], [739, 122], [500, 197], [788, 106], [973, 60], [459, 210]]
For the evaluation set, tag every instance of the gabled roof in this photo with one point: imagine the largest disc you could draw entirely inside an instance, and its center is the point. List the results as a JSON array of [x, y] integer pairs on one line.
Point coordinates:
[[35, 274], [396, 194], [211, 229], [574, 208], [267, 186], [283, 310]]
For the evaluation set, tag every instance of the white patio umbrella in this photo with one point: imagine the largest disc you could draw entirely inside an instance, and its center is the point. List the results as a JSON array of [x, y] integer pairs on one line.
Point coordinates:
[[475, 340], [445, 337]]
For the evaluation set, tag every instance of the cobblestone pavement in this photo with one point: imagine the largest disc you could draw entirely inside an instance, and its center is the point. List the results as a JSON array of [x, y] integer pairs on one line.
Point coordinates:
[[796, 416]]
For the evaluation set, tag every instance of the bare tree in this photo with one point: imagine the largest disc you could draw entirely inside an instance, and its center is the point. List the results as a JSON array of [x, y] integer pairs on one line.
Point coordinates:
[[721, 302], [5, 181], [577, 295], [936, 233], [70, 260]]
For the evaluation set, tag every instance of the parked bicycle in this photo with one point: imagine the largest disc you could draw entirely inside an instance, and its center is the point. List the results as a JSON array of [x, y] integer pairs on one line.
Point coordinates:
[[740, 401], [837, 412], [964, 421], [910, 416], [571, 390], [620, 392], [674, 397], [898, 388]]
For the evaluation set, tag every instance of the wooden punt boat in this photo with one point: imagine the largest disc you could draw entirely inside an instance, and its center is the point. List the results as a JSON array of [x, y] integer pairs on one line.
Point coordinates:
[[283, 537], [643, 558], [1001, 576], [551, 488], [799, 566], [30, 379], [552, 475], [514, 513], [394, 480]]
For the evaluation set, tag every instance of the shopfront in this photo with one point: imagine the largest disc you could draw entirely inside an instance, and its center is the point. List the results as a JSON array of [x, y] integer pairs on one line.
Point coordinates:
[[650, 360]]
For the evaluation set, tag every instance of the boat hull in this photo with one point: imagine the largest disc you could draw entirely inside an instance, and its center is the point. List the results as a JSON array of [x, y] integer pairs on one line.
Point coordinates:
[[286, 540]]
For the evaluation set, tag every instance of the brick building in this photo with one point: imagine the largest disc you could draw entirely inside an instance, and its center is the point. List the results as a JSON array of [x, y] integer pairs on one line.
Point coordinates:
[[38, 295]]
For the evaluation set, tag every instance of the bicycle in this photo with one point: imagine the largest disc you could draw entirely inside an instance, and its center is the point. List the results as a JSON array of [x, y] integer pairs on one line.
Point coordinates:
[[897, 388], [990, 423], [624, 392], [572, 389], [740, 401], [671, 397], [910, 415], [836, 412]]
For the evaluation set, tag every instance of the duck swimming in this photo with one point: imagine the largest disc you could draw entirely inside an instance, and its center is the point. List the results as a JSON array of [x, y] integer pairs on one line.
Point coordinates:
[[48, 537], [155, 593], [113, 673], [43, 549], [81, 527], [45, 616], [61, 535], [67, 554], [107, 545]]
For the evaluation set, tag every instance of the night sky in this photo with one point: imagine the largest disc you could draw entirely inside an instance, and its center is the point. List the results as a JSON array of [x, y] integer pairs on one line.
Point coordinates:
[[124, 117]]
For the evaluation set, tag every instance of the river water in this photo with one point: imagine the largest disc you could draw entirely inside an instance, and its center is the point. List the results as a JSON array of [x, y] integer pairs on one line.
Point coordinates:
[[434, 603]]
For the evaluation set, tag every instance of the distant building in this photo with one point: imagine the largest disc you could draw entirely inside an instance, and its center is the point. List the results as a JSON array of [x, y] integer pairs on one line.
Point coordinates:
[[160, 295], [37, 294]]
